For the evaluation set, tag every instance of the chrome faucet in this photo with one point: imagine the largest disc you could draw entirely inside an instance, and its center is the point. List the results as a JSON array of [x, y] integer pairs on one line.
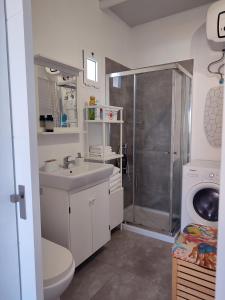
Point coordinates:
[[67, 161]]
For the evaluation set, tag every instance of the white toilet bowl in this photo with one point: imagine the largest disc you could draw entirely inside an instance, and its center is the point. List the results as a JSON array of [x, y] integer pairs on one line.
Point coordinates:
[[58, 269]]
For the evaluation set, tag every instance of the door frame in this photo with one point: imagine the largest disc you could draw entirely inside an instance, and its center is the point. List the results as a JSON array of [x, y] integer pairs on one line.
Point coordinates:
[[220, 287], [23, 110]]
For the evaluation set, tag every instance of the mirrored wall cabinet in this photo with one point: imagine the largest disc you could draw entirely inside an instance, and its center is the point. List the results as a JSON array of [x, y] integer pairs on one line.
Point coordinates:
[[56, 94]]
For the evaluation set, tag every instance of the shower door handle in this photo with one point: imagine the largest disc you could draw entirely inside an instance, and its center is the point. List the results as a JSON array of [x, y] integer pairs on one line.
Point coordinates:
[[174, 153], [136, 183]]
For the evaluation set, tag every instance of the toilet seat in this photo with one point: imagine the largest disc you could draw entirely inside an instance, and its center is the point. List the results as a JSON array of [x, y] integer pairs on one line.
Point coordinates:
[[57, 262]]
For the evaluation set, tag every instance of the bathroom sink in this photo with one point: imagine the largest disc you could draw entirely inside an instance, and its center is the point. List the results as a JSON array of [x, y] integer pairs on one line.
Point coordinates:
[[77, 177]]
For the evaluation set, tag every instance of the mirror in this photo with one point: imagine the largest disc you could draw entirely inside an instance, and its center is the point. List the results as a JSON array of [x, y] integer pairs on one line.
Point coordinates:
[[57, 99]]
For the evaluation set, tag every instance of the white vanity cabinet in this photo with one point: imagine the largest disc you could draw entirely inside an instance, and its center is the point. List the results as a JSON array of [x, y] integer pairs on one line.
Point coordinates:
[[77, 220], [89, 221]]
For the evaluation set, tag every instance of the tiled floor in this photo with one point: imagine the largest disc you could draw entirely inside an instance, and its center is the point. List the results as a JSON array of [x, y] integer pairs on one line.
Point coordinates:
[[130, 266]]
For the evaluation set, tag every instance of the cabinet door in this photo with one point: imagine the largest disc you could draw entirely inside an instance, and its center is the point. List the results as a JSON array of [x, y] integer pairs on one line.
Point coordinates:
[[100, 215], [81, 226], [55, 215]]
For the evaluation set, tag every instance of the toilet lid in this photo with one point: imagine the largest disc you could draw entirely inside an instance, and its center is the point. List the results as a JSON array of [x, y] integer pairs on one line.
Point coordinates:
[[57, 261]]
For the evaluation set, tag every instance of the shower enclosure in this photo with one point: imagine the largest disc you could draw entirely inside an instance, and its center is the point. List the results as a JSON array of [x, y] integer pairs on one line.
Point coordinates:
[[156, 137]]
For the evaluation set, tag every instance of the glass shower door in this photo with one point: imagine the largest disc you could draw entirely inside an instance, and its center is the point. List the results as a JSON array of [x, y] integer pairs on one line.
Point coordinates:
[[152, 155], [156, 136], [176, 150], [181, 116]]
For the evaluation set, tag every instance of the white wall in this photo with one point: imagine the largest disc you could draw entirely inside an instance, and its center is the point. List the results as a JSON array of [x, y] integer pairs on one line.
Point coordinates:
[[180, 37], [61, 29]]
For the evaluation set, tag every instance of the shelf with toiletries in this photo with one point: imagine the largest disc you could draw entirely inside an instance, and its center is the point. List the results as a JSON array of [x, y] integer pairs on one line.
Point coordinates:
[[98, 119], [103, 113], [56, 94]]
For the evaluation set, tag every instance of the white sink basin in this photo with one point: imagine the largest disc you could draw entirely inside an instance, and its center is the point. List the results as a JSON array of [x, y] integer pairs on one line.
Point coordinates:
[[77, 177]]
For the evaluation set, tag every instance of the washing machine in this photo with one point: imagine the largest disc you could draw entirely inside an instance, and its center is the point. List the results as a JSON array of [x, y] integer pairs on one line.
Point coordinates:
[[200, 193]]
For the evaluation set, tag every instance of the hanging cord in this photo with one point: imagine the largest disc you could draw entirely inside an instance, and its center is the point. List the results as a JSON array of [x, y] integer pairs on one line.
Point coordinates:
[[221, 74], [218, 72]]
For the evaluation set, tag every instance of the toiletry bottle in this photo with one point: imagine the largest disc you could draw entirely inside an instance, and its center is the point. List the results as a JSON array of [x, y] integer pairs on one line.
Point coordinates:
[[92, 100], [49, 123], [91, 111], [97, 111], [64, 121], [42, 121], [101, 114]]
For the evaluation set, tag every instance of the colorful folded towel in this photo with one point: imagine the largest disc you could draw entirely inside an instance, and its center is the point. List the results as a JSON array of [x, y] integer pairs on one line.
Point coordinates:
[[197, 244]]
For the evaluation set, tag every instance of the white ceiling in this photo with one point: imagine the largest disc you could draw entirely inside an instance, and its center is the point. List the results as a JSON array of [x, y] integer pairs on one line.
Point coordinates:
[[136, 12]]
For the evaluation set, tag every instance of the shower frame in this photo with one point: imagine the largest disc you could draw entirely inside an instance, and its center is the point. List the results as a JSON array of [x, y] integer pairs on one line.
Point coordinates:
[[134, 72]]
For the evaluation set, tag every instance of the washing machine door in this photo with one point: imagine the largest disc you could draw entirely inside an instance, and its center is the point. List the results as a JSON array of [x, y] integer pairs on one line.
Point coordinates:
[[203, 203]]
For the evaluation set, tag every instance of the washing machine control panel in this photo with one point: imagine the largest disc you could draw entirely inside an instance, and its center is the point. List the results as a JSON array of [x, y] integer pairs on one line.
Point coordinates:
[[192, 173], [211, 176], [203, 175]]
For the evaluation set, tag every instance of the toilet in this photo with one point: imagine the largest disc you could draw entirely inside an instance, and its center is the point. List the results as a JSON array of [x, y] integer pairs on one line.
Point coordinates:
[[58, 269]]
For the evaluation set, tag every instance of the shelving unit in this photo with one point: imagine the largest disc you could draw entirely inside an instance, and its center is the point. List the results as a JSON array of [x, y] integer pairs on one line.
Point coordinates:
[[102, 127], [105, 123]]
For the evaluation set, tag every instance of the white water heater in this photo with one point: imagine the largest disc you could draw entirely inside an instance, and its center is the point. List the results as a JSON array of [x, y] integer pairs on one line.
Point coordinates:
[[215, 24]]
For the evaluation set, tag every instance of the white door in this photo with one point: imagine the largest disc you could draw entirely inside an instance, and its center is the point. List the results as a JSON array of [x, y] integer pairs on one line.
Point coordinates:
[[81, 225], [20, 252], [100, 215], [9, 256], [220, 273]]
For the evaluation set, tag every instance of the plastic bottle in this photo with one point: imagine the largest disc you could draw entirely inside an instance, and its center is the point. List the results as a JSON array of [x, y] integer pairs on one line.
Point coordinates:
[[49, 123]]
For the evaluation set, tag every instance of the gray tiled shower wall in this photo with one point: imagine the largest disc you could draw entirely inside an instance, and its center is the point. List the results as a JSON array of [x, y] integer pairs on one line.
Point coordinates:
[[153, 139], [152, 135]]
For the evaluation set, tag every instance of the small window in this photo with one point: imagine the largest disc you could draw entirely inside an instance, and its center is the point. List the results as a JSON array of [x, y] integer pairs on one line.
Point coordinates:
[[91, 69]]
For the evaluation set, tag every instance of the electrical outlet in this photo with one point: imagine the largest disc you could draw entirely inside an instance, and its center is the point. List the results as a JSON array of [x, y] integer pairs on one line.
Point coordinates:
[[221, 24]]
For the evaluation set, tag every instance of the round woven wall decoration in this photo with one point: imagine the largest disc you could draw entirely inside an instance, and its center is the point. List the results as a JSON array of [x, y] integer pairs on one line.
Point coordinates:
[[213, 116]]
